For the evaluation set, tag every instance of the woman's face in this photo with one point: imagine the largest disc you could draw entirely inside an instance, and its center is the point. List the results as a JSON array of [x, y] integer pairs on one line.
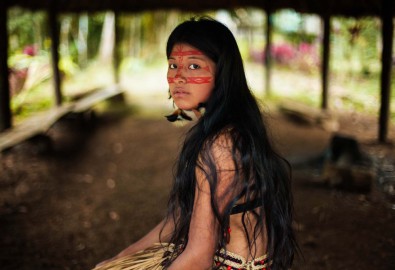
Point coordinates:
[[190, 76]]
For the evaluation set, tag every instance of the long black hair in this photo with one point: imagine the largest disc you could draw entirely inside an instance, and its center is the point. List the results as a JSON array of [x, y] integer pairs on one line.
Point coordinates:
[[264, 174]]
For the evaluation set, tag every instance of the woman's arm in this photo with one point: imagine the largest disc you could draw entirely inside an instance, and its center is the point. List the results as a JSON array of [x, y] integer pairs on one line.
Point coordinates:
[[199, 252], [148, 240], [204, 228]]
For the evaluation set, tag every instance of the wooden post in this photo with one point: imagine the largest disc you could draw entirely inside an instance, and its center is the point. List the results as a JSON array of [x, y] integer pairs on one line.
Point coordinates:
[[268, 50], [5, 110], [54, 33], [325, 60], [117, 48], [386, 63]]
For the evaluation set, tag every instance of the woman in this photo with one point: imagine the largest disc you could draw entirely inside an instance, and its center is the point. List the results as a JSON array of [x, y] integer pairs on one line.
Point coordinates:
[[231, 204]]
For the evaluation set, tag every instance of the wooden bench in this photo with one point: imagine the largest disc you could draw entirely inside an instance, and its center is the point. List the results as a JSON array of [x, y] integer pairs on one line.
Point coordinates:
[[305, 114], [95, 97], [41, 122]]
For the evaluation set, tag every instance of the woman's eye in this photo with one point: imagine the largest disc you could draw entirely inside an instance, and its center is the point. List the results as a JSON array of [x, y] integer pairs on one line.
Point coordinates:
[[172, 66], [194, 66]]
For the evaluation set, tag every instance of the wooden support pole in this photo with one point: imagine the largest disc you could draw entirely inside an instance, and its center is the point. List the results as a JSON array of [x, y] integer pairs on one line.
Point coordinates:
[[117, 48], [268, 50], [325, 60], [386, 64], [5, 110], [54, 33]]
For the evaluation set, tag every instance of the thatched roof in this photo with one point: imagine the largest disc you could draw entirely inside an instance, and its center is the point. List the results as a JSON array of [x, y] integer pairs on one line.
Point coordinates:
[[355, 8]]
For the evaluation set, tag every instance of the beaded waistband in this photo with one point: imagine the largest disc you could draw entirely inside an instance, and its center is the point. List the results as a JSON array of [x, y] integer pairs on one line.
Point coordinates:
[[231, 261]]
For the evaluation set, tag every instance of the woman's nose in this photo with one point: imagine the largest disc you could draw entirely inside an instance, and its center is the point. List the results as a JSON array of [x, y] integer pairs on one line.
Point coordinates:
[[180, 77]]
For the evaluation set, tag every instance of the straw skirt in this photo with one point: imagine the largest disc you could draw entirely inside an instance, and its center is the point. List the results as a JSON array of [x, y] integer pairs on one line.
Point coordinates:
[[153, 258], [158, 257]]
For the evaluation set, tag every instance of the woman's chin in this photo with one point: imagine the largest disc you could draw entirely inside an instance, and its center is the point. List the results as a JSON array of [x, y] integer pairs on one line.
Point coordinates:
[[184, 107]]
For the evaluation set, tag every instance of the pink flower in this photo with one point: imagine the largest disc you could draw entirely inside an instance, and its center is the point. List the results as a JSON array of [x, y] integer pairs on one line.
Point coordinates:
[[30, 50]]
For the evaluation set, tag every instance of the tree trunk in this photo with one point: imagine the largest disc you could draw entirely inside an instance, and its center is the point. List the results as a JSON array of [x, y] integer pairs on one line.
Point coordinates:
[[107, 39], [83, 27]]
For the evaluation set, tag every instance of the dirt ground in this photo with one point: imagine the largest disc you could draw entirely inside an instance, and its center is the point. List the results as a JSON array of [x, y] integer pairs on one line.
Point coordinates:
[[105, 185]]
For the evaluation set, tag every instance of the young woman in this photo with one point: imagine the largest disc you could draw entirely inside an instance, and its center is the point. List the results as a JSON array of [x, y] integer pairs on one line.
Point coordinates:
[[231, 204]]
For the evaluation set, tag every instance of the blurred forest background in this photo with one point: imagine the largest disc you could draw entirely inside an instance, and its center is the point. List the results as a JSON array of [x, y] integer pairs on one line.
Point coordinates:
[[87, 41]]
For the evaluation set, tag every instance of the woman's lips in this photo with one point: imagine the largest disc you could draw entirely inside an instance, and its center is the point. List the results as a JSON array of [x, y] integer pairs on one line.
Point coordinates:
[[180, 93]]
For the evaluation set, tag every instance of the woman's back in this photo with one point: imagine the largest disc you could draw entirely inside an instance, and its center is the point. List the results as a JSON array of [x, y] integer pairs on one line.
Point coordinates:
[[238, 242]]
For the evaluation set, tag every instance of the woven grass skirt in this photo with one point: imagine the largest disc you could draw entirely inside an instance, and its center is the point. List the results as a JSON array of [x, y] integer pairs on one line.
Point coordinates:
[[153, 258], [158, 256]]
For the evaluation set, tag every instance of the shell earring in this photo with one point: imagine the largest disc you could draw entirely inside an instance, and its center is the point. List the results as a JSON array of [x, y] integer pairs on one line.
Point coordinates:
[[178, 115]]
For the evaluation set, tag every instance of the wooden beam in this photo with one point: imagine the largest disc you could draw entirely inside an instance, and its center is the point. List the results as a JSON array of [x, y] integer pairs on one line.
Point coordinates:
[[268, 50], [325, 61], [386, 64], [54, 33], [5, 110]]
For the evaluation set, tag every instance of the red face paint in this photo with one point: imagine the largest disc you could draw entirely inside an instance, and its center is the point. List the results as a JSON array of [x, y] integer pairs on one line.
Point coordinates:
[[185, 53], [193, 80], [190, 76], [182, 57]]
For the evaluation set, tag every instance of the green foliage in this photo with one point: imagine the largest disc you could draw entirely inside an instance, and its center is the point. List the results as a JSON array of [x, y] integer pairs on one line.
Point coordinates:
[[300, 37], [33, 100], [354, 45], [68, 66], [25, 28], [95, 30], [20, 61], [293, 27]]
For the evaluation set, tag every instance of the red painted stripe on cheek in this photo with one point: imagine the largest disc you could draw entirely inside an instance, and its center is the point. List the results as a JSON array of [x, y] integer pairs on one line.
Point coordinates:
[[199, 80], [192, 80]]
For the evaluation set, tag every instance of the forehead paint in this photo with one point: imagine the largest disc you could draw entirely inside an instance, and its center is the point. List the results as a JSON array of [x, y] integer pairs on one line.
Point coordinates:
[[186, 53], [192, 80], [178, 52]]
